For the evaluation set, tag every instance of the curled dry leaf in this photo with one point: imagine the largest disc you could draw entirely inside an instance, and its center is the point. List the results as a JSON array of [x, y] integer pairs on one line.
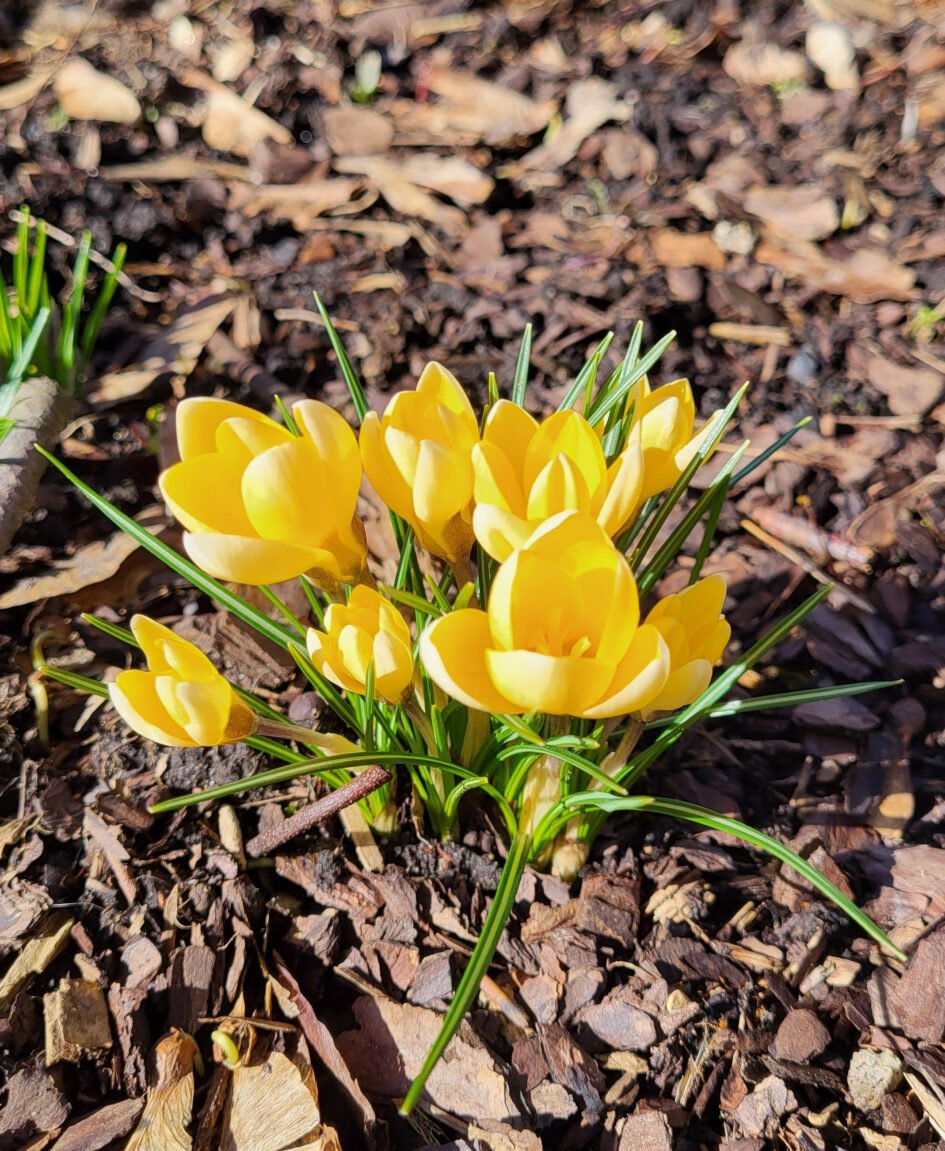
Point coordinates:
[[167, 1110], [865, 276], [806, 212], [762, 64], [87, 94], [230, 123], [590, 104], [300, 204], [273, 1106]]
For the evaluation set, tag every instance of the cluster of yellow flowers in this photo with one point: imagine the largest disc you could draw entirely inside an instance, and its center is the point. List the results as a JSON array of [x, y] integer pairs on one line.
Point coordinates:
[[561, 632]]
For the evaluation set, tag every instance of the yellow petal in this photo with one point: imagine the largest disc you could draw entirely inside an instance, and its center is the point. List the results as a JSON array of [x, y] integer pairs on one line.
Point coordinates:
[[440, 383], [499, 532], [558, 487], [356, 649], [198, 418], [556, 685], [667, 416], [453, 651], [639, 677], [393, 667], [254, 561], [204, 494], [336, 445], [535, 604], [201, 709], [683, 687], [134, 697], [624, 490], [567, 434], [510, 429], [288, 496], [495, 479], [379, 468], [152, 638]]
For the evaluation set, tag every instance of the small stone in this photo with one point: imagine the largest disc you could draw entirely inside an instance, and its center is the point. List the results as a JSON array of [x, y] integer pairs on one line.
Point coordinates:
[[872, 1075], [646, 1131], [800, 1037], [617, 1025], [76, 1021]]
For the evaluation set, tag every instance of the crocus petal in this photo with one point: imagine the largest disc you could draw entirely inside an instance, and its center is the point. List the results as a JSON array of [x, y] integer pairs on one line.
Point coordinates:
[[334, 441], [134, 697], [204, 494], [198, 418], [558, 487], [153, 638], [566, 434], [556, 685], [499, 532], [444, 484], [638, 679], [393, 667], [683, 687], [624, 489], [202, 709], [453, 651], [510, 429], [356, 649], [254, 561], [534, 604], [439, 383], [380, 470], [495, 479]]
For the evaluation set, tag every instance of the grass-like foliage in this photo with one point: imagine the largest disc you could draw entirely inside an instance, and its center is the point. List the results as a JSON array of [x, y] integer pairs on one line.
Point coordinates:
[[38, 334], [519, 657]]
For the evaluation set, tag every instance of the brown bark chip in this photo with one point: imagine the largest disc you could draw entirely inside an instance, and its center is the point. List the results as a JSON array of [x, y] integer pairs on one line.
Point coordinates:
[[34, 1106], [800, 1037], [917, 1003], [76, 1021], [646, 1131]]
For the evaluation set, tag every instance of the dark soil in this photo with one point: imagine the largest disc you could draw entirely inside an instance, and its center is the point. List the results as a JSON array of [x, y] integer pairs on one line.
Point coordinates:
[[686, 992]]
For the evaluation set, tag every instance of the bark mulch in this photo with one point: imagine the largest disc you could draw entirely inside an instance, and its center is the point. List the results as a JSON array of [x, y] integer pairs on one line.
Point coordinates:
[[765, 179]]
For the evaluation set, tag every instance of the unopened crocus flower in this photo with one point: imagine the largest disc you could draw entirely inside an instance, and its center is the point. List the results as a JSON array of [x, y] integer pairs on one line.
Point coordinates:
[[368, 628], [262, 505], [561, 633], [695, 632], [526, 472], [664, 425], [181, 700], [417, 457]]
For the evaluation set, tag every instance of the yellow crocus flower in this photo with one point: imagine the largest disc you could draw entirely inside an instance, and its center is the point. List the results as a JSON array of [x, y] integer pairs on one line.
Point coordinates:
[[368, 628], [417, 457], [695, 632], [664, 426], [561, 633], [526, 472], [181, 700], [262, 505]]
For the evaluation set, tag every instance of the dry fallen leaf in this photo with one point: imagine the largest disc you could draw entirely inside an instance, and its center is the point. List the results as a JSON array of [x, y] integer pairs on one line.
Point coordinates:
[[675, 249], [403, 184], [865, 276], [166, 1117], [230, 123], [174, 351], [300, 204], [472, 110], [910, 391], [830, 49], [91, 564], [762, 64], [590, 103], [273, 1106], [87, 94], [806, 212], [352, 130]]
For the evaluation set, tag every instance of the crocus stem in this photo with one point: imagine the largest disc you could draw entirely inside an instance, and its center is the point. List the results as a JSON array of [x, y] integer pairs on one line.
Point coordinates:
[[276, 729], [573, 843]]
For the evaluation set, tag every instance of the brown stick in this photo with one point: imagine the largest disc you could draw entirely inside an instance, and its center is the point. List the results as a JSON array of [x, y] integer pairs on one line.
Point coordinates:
[[267, 841]]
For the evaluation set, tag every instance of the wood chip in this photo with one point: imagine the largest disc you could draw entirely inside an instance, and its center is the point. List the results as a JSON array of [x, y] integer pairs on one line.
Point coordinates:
[[230, 124], [35, 956], [87, 94], [806, 212], [76, 1021]]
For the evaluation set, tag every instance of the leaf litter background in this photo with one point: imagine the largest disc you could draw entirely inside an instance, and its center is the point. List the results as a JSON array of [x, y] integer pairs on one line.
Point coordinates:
[[767, 179]]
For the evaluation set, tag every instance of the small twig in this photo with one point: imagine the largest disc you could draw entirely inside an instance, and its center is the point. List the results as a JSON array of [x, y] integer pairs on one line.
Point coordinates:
[[103, 262], [267, 841]]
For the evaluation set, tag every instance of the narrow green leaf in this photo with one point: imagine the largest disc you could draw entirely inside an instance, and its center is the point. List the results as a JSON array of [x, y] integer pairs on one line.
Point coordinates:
[[176, 562], [604, 402], [520, 380], [78, 682], [708, 818], [771, 450], [102, 303], [350, 375], [478, 965], [586, 377]]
